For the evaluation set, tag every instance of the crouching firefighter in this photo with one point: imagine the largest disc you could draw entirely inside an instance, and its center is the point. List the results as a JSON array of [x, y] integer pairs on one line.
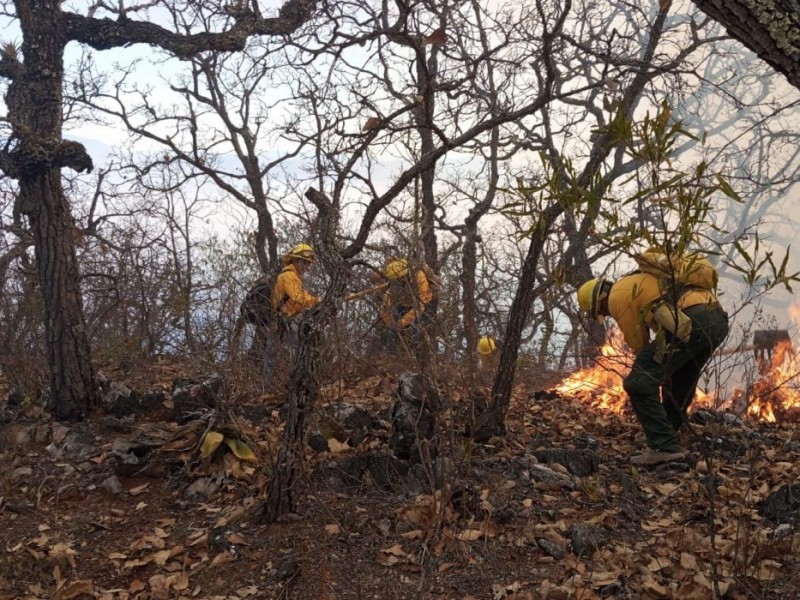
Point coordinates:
[[289, 300], [676, 299]]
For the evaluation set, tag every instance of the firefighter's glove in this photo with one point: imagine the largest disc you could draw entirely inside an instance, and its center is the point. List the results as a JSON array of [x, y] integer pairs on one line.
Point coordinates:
[[674, 320]]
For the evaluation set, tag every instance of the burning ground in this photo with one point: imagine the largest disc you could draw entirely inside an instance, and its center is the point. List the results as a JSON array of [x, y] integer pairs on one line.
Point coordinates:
[[126, 506]]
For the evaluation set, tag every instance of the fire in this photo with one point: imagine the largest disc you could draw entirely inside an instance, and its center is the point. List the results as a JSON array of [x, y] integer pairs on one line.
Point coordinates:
[[776, 393], [601, 384]]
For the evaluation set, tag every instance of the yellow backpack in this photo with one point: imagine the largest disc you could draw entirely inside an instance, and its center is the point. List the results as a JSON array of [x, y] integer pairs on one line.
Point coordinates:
[[691, 270]]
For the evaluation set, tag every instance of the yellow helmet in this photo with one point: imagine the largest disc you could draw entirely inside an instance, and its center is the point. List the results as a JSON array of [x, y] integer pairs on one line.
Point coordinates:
[[486, 345], [303, 252], [590, 295], [396, 269]]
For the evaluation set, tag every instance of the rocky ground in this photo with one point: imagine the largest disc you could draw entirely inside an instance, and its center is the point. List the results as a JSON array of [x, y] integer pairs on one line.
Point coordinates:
[[141, 502]]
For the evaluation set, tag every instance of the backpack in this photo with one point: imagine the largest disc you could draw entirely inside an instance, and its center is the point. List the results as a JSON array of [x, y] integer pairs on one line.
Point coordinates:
[[256, 307], [434, 281], [678, 274]]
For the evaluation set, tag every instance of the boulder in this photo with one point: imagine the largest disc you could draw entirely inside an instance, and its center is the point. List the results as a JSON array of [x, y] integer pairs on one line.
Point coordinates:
[[413, 420], [578, 462], [192, 396], [782, 505]]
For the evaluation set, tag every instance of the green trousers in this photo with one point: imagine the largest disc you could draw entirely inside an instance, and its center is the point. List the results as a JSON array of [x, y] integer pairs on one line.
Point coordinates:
[[662, 390]]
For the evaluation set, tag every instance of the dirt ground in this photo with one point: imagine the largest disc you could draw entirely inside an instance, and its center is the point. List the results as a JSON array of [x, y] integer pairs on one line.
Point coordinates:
[[516, 518]]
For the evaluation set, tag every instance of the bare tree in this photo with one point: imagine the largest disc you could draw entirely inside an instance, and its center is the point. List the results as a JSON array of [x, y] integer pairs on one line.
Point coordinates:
[[35, 151]]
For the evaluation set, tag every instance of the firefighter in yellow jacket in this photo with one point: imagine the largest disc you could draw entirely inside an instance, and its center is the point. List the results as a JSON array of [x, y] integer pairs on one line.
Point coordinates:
[[403, 308], [289, 299], [683, 312]]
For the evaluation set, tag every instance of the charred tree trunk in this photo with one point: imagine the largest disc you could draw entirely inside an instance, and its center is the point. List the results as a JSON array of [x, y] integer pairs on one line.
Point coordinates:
[[303, 384], [469, 266], [34, 100], [492, 422], [302, 395], [426, 77], [72, 379]]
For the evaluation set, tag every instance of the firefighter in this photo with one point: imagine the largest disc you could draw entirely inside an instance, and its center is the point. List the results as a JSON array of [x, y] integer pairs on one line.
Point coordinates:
[[289, 299], [404, 304], [487, 351], [688, 323], [488, 356]]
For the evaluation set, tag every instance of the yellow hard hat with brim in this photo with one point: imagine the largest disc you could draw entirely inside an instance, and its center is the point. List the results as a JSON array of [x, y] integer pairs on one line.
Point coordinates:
[[589, 298], [303, 252], [486, 345], [396, 269]]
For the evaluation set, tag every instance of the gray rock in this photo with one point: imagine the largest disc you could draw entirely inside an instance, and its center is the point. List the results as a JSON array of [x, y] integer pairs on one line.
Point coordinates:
[[547, 476], [385, 527], [587, 538], [782, 505], [21, 472], [201, 489], [121, 401], [15, 435], [412, 419], [79, 444], [112, 485], [350, 473], [783, 530], [551, 549], [578, 462], [343, 422], [191, 396]]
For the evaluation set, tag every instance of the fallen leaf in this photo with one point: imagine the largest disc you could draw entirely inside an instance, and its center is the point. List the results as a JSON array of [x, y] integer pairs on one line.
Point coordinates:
[[75, 589], [469, 535], [222, 558], [396, 550], [65, 551], [414, 534], [688, 561], [139, 489], [333, 529], [768, 570], [178, 581], [211, 442], [235, 538], [335, 445], [446, 567], [241, 450]]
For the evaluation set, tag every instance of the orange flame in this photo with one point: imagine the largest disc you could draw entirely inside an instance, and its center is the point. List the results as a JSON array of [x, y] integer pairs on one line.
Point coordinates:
[[600, 385], [774, 396]]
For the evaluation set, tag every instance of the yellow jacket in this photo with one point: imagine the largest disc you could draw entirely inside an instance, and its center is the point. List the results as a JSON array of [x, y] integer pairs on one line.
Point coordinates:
[[402, 296], [289, 297], [629, 305]]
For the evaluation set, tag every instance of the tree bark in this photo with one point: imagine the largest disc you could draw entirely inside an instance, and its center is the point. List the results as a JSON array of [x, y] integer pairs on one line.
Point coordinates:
[[770, 29], [303, 384], [492, 422], [34, 103]]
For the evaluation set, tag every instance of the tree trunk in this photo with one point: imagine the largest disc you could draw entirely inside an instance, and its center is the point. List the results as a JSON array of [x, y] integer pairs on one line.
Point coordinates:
[[34, 101], [426, 77], [469, 266], [491, 423], [770, 29], [72, 379], [303, 381]]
